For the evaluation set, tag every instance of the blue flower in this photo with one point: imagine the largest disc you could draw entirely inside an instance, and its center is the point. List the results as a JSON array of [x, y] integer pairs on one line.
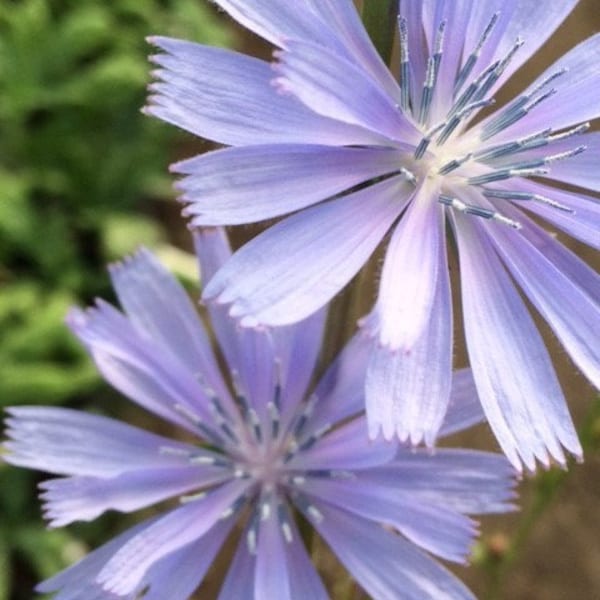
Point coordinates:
[[328, 134], [256, 454]]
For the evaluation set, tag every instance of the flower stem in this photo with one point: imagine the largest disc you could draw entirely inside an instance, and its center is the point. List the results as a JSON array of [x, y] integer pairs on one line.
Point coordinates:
[[379, 17]]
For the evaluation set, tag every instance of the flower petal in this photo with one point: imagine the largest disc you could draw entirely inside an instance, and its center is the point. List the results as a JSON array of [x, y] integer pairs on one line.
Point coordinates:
[[407, 391], [123, 573], [86, 498], [71, 442], [159, 308], [298, 265], [463, 480], [333, 87], [573, 315], [434, 528], [409, 278], [228, 97], [384, 564], [256, 190], [464, 406], [137, 368], [513, 373]]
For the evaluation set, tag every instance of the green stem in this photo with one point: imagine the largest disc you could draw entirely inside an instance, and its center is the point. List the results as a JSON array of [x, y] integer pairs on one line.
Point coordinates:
[[379, 17]]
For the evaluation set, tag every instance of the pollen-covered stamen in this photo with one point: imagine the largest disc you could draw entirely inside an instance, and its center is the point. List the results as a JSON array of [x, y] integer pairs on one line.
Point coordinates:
[[254, 422], [314, 437], [534, 140], [477, 211], [209, 461], [578, 130], [331, 473], [235, 507], [239, 395], [303, 416], [515, 112], [537, 163], [431, 75], [506, 173], [192, 497], [472, 59], [426, 140], [306, 507], [284, 522], [472, 90], [252, 535], [405, 73], [496, 73], [455, 120], [409, 175], [525, 197]]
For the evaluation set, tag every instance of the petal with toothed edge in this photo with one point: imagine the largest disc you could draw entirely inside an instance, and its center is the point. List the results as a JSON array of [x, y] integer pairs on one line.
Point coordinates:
[[335, 88], [126, 569], [467, 481], [515, 379], [71, 442], [410, 273], [256, 190], [439, 530], [407, 391], [137, 367], [85, 498], [383, 563], [159, 308], [571, 313], [228, 97], [295, 267]]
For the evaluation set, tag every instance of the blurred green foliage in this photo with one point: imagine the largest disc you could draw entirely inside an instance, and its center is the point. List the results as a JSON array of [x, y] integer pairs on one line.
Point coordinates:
[[81, 172]]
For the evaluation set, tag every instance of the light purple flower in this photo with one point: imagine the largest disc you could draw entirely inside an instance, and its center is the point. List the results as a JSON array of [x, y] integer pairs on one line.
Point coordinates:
[[328, 134], [263, 451]]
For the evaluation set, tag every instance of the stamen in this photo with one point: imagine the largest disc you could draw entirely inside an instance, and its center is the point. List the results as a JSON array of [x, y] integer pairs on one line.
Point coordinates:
[[240, 397], [305, 506], [454, 164], [304, 416], [433, 63], [466, 69], [275, 418], [404, 66], [426, 140], [525, 196], [222, 419], [331, 473], [497, 72], [477, 211], [255, 424], [284, 523], [234, 508], [314, 437], [570, 132], [409, 175], [192, 497], [505, 174], [209, 461], [458, 116], [531, 141], [206, 431], [512, 114], [252, 535], [265, 510]]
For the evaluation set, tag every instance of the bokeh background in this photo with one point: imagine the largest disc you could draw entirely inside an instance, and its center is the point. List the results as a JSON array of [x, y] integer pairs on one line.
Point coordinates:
[[84, 181]]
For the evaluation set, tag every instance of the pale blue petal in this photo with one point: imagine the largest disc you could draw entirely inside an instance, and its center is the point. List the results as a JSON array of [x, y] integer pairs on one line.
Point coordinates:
[[335, 88], [295, 267], [272, 180], [435, 528], [126, 569], [517, 384], [70, 442], [384, 564], [228, 97], [160, 309]]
